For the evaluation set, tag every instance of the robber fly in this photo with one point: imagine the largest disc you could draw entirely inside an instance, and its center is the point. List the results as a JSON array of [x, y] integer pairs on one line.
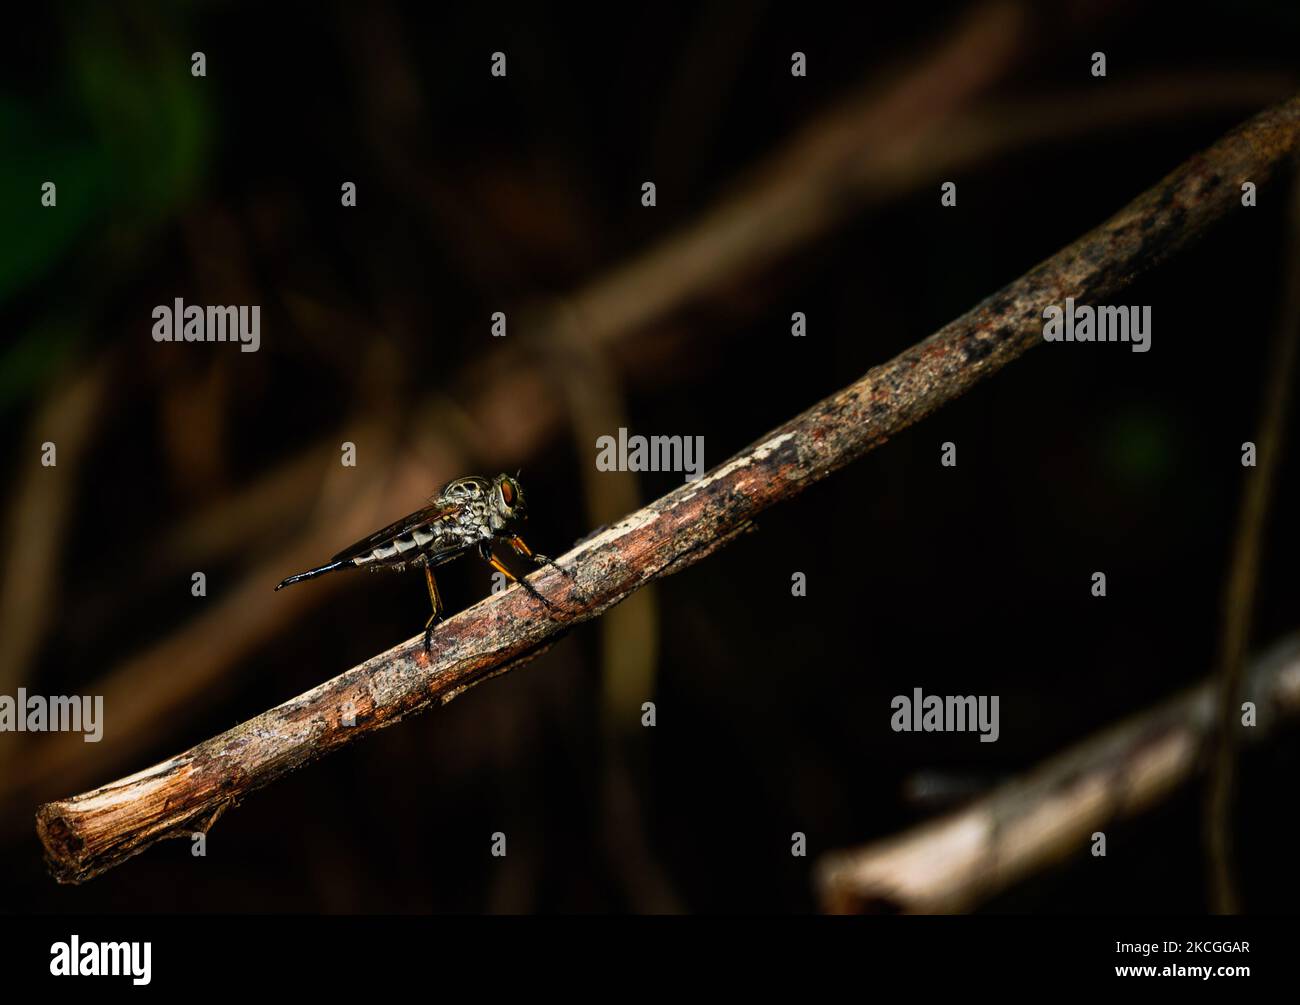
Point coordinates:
[[469, 514]]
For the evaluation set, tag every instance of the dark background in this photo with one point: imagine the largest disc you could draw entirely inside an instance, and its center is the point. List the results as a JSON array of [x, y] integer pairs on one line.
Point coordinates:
[[477, 195]]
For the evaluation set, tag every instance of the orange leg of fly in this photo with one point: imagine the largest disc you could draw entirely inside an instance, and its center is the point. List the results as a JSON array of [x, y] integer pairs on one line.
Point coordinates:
[[435, 599]]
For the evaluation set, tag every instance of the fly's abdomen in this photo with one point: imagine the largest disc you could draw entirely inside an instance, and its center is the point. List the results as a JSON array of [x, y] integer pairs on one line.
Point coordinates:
[[402, 548]]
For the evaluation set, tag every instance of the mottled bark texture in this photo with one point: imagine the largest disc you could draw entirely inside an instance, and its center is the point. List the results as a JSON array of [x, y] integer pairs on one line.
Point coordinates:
[[92, 832]]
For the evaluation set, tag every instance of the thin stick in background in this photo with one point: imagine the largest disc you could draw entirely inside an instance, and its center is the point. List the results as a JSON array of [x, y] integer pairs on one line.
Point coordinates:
[[1243, 576]]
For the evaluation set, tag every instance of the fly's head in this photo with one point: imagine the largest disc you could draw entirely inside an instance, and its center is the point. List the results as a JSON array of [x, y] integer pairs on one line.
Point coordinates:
[[508, 508]]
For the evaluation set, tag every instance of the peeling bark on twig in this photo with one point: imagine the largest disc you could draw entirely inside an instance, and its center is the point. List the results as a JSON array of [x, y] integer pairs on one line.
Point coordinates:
[[953, 863], [89, 833]]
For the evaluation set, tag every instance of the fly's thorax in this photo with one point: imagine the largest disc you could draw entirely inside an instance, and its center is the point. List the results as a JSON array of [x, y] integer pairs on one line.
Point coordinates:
[[498, 503], [465, 490]]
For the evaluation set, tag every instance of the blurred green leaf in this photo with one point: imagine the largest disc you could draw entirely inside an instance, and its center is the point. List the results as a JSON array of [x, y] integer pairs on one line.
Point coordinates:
[[33, 360], [1139, 448], [125, 139]]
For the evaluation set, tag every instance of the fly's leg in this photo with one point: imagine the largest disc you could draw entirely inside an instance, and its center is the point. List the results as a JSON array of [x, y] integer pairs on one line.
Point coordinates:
[[517, 543], [435, 599], [485, 551]]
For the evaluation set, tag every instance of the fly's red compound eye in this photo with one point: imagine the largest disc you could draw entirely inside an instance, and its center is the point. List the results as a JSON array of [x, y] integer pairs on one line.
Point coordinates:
[[508, 493]]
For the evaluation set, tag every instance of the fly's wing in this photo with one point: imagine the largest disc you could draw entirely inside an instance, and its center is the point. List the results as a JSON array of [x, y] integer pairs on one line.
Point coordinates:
[[403, 526]]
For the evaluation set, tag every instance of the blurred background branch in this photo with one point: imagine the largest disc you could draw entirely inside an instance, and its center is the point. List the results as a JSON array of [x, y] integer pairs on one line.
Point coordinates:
[[1050, 815]]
